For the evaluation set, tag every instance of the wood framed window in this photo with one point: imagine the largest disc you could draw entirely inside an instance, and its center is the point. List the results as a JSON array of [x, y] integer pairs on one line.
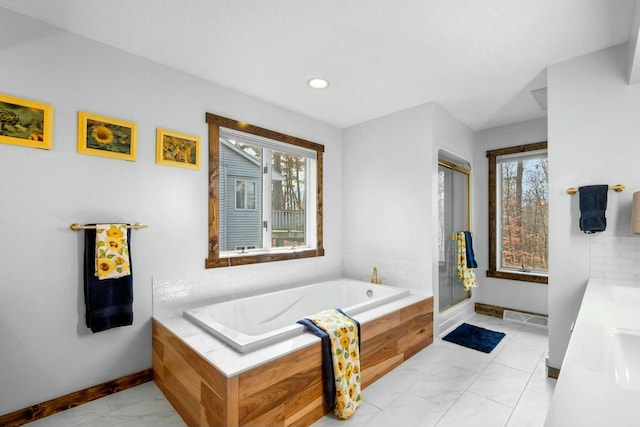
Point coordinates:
[[518, 213], [265, 195]]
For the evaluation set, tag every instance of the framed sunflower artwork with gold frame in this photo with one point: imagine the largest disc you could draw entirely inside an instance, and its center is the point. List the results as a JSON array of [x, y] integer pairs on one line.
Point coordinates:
[[25, 122], [106, 136], [177, 149]]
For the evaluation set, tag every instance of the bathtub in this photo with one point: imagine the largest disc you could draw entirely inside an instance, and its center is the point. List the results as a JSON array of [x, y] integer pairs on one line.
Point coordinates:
[[250, 323]]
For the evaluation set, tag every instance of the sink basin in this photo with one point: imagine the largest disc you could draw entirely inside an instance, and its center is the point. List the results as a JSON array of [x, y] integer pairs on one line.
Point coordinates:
[[624, 357]]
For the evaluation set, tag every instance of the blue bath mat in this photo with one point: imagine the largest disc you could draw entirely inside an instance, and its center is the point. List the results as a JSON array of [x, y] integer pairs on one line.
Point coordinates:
[[475, 337]]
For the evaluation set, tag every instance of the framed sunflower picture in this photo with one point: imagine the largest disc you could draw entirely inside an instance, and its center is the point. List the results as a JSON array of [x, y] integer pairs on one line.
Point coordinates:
[[177, 149], [106, 137], [24, 122]]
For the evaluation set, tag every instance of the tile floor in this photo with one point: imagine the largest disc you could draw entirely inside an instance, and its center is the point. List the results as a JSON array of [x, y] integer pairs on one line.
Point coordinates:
[[141, 406], [450, 385], [443, 385]]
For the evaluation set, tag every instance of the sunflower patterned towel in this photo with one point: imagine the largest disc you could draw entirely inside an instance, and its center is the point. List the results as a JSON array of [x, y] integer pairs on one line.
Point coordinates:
[[112, 252], [344, 335], [466, 274]]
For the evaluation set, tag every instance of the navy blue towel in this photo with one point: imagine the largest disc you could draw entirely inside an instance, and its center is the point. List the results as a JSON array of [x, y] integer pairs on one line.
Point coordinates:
[[471, 257], [108, 302], [593, 204], [328, 378]]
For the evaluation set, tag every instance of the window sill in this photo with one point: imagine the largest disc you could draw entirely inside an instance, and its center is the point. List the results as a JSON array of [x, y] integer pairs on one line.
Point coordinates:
[[523, 277], [255, 252], [245, 259]]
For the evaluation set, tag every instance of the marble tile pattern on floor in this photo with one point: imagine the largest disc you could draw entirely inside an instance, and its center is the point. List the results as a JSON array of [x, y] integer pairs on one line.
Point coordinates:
[[454, 386], [140, 406], [443, 385]]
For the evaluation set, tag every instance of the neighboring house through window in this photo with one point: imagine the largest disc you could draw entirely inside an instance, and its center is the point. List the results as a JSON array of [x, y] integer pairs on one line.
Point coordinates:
[[265, 195], [519, 213]]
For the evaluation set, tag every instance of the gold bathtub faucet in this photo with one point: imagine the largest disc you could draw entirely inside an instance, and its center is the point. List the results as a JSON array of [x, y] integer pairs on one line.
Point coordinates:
[[374, 277]]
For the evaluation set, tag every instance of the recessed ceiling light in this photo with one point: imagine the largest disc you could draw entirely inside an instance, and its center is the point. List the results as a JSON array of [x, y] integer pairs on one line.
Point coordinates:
[[317, 83]]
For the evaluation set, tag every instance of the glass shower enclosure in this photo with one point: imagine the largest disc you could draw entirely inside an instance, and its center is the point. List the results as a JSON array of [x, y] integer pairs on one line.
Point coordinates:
[[453, 216]]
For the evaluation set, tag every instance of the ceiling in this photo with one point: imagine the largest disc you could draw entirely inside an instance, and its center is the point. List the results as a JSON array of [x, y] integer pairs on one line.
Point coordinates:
[[478, 59]]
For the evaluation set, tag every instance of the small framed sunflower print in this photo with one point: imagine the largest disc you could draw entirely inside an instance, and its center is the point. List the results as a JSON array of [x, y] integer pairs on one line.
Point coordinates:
[[24, 122], [177, 149], [106, 137]]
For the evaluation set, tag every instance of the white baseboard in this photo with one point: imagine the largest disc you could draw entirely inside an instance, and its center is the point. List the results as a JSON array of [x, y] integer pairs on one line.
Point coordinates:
[[452, 317]]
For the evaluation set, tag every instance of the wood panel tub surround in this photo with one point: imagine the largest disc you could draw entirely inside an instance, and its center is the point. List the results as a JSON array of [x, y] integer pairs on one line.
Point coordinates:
[[286, 391]]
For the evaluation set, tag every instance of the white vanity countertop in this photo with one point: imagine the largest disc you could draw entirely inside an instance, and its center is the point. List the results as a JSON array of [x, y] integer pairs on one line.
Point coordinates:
[[599, 383], [231, 362]]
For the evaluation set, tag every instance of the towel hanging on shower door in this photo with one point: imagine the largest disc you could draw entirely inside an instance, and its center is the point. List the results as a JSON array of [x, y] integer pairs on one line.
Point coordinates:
[[466, 274], [471, 257]]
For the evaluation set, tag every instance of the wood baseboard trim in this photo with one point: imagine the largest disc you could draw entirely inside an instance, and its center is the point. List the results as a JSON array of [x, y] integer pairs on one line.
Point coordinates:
[[59, 404], [553, 372], [489, 310], [497, 311]]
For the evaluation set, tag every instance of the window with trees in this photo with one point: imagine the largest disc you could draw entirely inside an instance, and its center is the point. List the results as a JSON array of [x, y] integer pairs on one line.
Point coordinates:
[[265, 195], [519, 213]]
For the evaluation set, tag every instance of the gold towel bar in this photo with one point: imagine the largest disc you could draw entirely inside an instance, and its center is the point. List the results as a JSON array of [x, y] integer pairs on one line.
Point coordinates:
[[617, 188], [76, 226]]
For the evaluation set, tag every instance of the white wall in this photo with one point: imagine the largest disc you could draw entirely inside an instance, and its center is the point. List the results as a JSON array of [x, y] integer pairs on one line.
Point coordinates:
[[390, 192], [593, 139], [387, 198], [46, 350], [514, 294]]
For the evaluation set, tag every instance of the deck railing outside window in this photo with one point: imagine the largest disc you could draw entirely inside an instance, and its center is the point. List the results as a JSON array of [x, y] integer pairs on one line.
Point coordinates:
[[288, 220]]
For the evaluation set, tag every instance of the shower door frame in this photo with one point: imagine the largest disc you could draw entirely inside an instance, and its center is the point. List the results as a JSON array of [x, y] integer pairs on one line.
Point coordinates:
[[467, 172]]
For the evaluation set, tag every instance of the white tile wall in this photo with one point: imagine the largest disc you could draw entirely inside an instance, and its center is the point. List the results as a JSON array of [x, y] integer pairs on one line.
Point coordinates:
[[615, 257], [173, 293]]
